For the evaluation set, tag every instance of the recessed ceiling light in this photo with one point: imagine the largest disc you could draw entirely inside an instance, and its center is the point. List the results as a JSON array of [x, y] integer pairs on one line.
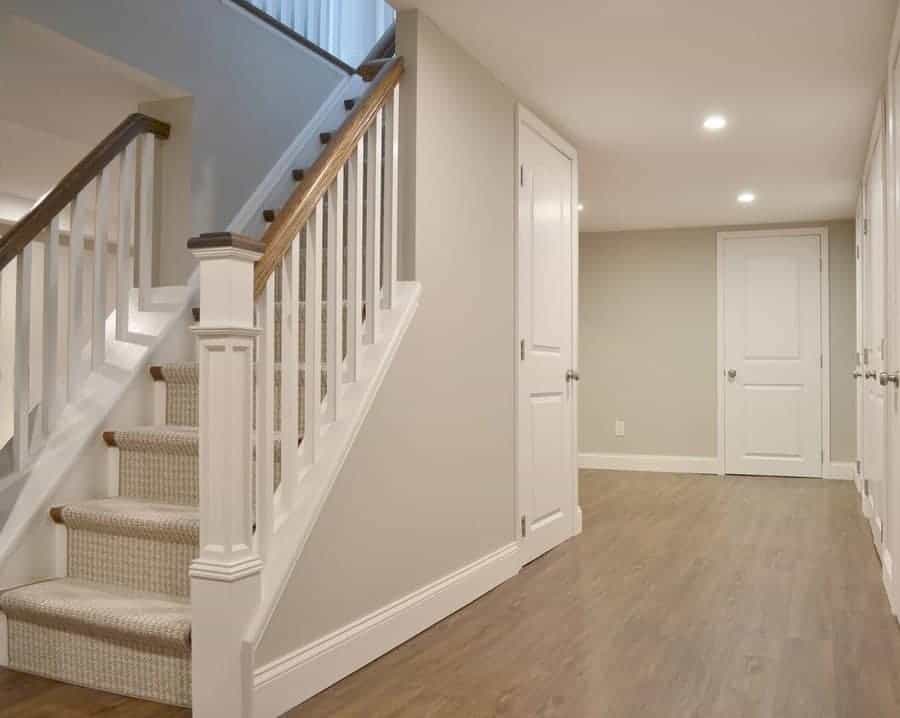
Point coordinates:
[[714, 123], [746, 198], [580, 207]]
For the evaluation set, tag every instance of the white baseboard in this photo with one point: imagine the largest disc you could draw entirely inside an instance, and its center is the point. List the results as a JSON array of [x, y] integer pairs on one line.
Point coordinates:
[[651, 462], [840, 470], [292, 679]]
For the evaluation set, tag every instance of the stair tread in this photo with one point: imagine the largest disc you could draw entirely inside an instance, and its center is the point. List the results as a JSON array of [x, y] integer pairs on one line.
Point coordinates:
[[135, 517], [100, 609], [170, 438]]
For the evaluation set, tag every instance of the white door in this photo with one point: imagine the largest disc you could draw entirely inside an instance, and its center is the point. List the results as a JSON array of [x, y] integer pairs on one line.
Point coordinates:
[[547, 485], [873, 342], [771, 304]]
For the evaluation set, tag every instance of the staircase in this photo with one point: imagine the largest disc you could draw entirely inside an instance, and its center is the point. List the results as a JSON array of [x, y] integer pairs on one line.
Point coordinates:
[[167, 584]]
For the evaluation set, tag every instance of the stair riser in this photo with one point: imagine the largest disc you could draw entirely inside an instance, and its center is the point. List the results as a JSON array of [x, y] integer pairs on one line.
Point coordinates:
[[171, 478], [138, 562], [125, 668]]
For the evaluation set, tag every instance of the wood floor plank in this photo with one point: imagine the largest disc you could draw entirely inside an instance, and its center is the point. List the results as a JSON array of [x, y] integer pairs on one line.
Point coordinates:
[[684, 597]]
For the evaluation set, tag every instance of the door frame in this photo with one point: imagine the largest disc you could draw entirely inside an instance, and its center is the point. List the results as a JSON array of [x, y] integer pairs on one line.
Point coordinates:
[[826, 471], [524, 116]]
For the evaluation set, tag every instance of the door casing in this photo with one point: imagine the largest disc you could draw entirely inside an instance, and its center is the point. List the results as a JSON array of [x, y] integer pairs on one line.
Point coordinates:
[[525, 116], [824, 299]]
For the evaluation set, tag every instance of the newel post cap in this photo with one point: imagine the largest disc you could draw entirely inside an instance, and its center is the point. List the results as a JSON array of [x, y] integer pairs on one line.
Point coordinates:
[[216, 242]]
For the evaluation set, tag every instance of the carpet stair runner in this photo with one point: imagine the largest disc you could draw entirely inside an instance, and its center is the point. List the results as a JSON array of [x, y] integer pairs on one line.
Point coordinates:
[[120, 620]]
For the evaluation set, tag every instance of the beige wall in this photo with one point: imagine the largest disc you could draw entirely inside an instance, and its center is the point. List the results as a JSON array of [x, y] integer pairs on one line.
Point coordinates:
[[428, 486], [648, 341]]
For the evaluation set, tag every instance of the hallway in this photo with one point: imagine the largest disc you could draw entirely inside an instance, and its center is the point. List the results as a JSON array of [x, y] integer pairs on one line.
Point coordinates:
[[685, 596]]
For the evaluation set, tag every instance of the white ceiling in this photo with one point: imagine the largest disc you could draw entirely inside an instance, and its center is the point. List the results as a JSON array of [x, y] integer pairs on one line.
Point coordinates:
[[58, 99], [630, 81]]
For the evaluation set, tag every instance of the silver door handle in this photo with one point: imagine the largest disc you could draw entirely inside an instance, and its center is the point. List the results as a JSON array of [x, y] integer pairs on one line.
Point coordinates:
[[573, 375], [732, 373], [884, 379]]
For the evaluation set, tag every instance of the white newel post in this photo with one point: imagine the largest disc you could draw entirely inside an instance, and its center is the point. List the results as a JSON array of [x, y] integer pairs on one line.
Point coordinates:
[[225, 578]]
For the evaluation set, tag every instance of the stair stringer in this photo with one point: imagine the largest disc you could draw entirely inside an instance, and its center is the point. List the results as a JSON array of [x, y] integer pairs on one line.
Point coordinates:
[[317, 481]]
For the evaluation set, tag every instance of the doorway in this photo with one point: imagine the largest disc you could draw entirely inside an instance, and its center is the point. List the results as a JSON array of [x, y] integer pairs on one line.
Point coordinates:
[[546, 347], [773, 366]]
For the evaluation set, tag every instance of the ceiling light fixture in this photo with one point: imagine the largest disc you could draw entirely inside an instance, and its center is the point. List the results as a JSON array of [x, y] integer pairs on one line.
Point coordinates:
[[746, 198], [714, 123]]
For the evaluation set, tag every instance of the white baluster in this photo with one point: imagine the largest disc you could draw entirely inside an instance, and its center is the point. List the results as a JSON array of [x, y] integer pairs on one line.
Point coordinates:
[[22, 388], [355, 220], [145, 269], [290, 371], [313, 326], [335, 302], [51, 380], [265, 418], [101, 236], [373, 227], [391, 181], [125, 268], [76, 338]]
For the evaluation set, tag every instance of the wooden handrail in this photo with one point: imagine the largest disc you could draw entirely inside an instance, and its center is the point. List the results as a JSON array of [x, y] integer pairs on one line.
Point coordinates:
[[316, 181], [385, 47], [33, 223]]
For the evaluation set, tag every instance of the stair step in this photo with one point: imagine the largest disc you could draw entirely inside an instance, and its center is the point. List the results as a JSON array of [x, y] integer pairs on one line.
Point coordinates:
[[126, 516], [102, 636], [144, 545], [161, 463]]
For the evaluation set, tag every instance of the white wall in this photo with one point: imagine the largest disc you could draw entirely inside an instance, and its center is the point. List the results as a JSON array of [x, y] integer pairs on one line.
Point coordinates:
[[253, 91], [428, 486], [648, 341]]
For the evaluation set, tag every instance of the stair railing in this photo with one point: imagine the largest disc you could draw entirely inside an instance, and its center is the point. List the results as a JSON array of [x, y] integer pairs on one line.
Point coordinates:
[[332, 251], [105, 203], [338, 30]]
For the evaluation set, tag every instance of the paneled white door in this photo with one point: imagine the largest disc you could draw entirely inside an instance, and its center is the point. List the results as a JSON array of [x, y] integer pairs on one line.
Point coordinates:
[[873, 260], [547, 249], [771, 304]]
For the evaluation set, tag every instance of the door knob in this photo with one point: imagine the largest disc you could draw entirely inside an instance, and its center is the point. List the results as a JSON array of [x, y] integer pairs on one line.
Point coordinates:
[[884, 379], [573, 375], [732, 373]]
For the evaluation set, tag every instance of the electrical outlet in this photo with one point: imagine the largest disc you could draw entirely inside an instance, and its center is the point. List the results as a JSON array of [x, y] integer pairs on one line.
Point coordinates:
[[620, 427]]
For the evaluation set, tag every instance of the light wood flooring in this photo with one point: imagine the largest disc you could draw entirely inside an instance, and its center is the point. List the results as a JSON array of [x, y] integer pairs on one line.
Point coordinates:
[[684, 596]]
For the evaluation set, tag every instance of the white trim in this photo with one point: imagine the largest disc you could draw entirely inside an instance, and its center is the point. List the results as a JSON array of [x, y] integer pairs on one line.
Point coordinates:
[[887, 577], [254, 205], [824, 331], [527, 117], [840, 470], [651, 462], [295, 677], [867, 506]]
